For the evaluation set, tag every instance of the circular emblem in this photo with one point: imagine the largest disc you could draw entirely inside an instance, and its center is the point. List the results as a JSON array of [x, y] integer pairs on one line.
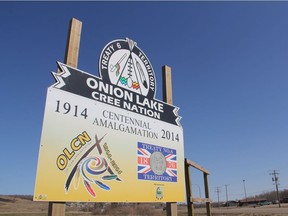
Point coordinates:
[[158, 163], [124, 64]]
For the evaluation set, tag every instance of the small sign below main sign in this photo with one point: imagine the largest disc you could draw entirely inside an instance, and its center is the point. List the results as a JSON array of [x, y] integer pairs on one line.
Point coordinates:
[[107, 139]]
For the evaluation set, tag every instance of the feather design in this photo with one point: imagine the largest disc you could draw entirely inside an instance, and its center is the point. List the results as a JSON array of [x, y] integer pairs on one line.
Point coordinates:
[[77, 178], [112, 173], [109, 177], [97, 144], [101, 185], [89, 188]]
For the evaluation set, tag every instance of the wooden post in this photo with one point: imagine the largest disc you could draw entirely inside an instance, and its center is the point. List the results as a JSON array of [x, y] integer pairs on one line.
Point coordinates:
[[73, 43], [56, 208], [71, 58], [208, 204], [190, 205], [167, 84], [171, 207], [191, 199]]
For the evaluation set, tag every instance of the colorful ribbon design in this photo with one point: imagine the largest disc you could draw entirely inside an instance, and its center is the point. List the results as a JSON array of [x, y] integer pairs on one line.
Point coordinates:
[[89, 169]]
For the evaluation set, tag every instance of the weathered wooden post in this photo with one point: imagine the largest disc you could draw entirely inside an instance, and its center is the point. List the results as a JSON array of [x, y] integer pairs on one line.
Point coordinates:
[[71, 58], [73, 43], [190, 198], [167, 97], [190, 205], [208, 204]]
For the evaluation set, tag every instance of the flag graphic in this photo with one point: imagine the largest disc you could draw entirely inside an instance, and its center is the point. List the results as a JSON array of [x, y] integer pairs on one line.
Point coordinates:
[[156, 163]]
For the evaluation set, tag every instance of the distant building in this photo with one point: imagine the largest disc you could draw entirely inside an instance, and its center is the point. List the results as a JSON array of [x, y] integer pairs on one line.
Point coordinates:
[[252, 201], [231, 203]]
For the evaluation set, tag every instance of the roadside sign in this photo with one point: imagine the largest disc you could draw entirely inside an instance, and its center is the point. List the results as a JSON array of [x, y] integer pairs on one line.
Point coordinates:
[[107, 139]]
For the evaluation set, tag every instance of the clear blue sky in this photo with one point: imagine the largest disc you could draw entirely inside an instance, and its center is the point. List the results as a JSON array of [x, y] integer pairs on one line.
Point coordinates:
[[230, 79]]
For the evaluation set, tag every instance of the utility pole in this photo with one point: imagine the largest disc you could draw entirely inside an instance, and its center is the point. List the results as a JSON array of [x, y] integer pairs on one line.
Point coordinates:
[[275, 179], [226, 195], [198, 189], [245, 190], [218, 192]]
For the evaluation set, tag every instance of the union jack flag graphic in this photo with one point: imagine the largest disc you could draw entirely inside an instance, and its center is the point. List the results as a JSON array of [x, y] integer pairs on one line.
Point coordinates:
[[156, 163]]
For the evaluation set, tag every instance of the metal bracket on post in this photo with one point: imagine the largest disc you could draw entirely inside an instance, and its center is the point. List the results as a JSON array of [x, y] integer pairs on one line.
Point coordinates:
[[71, 58]]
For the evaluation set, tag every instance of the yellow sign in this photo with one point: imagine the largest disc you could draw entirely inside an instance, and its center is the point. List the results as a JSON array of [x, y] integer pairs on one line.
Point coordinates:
[[104, 142]]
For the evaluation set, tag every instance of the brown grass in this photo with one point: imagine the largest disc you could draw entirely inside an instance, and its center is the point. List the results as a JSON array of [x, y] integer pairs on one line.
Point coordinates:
[[24, 206], [270, 210]]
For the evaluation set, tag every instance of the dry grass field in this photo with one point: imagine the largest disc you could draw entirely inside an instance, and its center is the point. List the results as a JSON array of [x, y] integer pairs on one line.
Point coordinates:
[[24, 206], [271, 210]]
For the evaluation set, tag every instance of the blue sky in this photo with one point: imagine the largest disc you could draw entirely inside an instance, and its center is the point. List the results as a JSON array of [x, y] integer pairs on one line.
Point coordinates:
[[229, 66]]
